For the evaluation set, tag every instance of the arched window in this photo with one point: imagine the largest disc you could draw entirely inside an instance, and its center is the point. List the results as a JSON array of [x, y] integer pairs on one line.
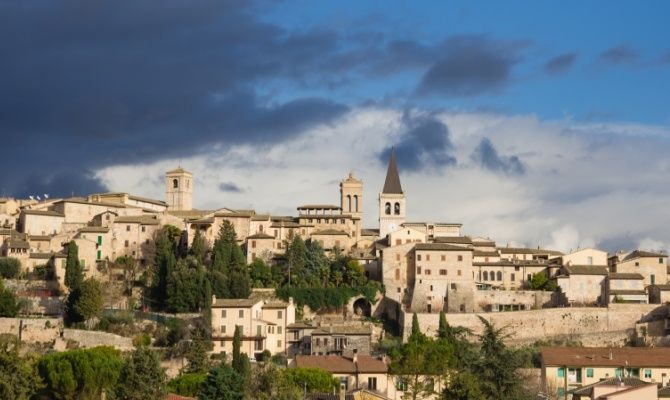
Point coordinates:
[[175, 183], [348, 202], [356, 202], [260, 228], [499, 276], [388, 209], [396, 209], [486, 276]]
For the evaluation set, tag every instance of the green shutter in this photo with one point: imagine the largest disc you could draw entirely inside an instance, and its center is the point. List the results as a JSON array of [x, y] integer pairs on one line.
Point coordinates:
[[589, 372], [99, 254], [560, 372], [99, 239]]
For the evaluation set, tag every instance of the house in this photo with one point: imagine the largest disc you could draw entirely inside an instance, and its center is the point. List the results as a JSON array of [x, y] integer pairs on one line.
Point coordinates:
[[626, 288], [263, 322], [568, 368], [582, 284], [342, 340], [617, 389], [659, 294], [651, 265], [354, 373], [299, 339]]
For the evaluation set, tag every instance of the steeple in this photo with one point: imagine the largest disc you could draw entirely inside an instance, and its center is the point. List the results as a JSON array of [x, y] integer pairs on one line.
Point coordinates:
[[392, 183]]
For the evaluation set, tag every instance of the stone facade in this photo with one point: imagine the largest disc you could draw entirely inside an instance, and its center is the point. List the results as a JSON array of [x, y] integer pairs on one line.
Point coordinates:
[[341, 340]]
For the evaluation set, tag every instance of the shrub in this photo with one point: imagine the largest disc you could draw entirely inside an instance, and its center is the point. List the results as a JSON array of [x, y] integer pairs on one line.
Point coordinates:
[[9, 267], [187, 384], [142, 340]]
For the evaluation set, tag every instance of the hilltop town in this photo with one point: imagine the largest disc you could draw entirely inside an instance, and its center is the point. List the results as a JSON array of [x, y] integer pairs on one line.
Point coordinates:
[[319, 291]]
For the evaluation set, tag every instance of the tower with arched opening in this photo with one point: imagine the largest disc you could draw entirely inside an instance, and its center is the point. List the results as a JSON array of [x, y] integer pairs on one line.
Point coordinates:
[[392, 200], [179, 190]]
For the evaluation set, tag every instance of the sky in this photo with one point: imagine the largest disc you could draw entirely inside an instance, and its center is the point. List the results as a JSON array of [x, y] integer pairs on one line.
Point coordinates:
[[535, 123]]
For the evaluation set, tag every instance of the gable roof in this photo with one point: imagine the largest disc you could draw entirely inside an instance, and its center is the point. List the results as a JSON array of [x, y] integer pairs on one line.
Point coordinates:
[[441, 247], [586, 269], [340, 364], [392, 182], [629, 382], [622, 275], [643, 254], [600, 356]]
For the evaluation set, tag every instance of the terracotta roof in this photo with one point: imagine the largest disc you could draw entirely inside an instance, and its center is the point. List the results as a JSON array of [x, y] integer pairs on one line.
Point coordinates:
[[600, 356], [138, 219], [480, 253], [662, 287], [147, 200], [343, 330], [235, 214], [340, 364], [525, 250], [621, 275], [586, 270], [234, 303], [300, 325], [275, 304], [260, 236], [440, 247], [49, 213], [453, 239], [392, 182], [329, 232], [642, 254], [664, 392], [189, 213], [484, 243], [629, 382]]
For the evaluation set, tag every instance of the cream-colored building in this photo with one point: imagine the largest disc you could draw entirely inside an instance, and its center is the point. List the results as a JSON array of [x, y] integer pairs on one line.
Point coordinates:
[[264, 325], [652, 266], [179, 190], [567, 368], [583, 284], [588, 256], [354, 373], [626, 288]]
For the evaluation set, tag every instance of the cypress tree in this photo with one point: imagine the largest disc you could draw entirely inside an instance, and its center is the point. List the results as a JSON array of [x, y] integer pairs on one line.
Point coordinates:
[[74, 275], [165, 262], [229, 260], [197, 249], [442, 330], [416, 331], [237, 344]]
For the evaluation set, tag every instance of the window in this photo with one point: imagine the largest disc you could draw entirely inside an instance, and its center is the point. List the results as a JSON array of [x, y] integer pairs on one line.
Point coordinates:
[[258, 330], [589, 260], [241, 314], [175, 183], [396, 209], [258, 345], [398, 242], [99, 239], [443, 272], [511, 277], [276, 232], [618, 372], [278, 343], [144, 229], [637, 263], [279, 329], [223, 329], [325, 341], [397, 274], [652, 277], [459, 272], [460, 258], [253, 244], [427, 272], [486, 276], [418, 270], [560, 392], [517, 268], [280, 314], [660, 261], [443, 258], [99, 255], [127, 228], [318, 341], [125, 243], [223, 313], [499, 274], [427, 257], [398, 290], [647, 373], [589, 372], [372, 383], [431, 288], [418, 257], [387, 209], [401, 384]]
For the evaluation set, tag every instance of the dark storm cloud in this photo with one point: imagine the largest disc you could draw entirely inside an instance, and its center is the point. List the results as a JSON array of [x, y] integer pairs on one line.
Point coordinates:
[[471, 65], [425, 144], [486, 156], [621, 54], [560, 64], [64, 183], [90, 84], [618, 243], [230, 187]]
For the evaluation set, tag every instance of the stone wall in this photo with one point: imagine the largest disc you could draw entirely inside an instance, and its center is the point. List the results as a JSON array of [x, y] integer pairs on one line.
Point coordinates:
[[86, 339], [486, 300], [550, 323], [28, 330]]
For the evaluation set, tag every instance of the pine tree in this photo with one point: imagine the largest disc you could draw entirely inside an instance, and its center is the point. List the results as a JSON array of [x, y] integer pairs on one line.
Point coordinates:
[[74, 275]]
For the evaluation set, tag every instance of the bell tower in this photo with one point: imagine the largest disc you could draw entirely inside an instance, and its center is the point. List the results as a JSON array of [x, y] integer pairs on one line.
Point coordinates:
[[351, 196], [179, 190], [392, 200]]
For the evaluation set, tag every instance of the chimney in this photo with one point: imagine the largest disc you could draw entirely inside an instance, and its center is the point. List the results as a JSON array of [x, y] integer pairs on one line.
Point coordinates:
[[213, 299]]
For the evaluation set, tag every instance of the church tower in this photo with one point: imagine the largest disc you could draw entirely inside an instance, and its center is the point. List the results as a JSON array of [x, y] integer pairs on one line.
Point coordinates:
[[179, 190], [392, 200], [351, 196]]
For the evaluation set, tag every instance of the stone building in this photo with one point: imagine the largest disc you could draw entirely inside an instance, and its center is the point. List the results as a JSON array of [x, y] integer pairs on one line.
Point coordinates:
[[343, 340], [652, 266], [179, 190]]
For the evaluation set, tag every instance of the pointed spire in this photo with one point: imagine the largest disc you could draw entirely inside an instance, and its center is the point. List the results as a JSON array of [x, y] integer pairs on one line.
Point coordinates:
[[392, 183]]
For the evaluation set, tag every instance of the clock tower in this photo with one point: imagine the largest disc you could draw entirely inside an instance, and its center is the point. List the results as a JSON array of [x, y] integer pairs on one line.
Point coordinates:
[[392, 200]]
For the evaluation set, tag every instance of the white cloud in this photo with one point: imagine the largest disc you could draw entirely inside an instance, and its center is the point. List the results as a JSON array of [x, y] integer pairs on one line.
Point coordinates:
[[585, 183]]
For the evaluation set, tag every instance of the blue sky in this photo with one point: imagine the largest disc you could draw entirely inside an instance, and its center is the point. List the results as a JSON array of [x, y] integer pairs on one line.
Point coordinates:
[[533, 122]]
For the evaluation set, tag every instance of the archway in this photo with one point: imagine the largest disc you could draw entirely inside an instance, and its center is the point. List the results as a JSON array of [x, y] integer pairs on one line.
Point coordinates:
[[362, 308]]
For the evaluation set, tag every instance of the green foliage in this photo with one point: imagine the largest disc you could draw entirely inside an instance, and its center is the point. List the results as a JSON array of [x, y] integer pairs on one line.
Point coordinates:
[[164, 264], [316, 380], [198, 247], [188, 384], [141, 377], [141, 340], [197, 358], [240, 362], [261, 274], [9, 267], [463, 386], [18, 376], [416, 331], [296, 259], [228, 260], [74, 274], [89, 301], [328, 298], [271, 383], [80, 374], [222, 383], [539, 281], [188, 288], [9, 305], [279, 359]]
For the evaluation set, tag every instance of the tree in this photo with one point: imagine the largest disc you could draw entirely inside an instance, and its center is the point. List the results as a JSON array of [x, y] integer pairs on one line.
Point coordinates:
[[198, 247], [141, 377], [416, 330], [261, 274], [164, 264], [74, 275], [188, 288], [9, 305], [187, 384], [18, 376], [271, 383], [88, 303], [228, 260], [442, 332], [497, 365], [80, 374], [463, 385], [182, 245], [222, 383], [539, 281], [9, 267], [197, 358], [318, 265], [314, 379], [296, 258], [240, 362]]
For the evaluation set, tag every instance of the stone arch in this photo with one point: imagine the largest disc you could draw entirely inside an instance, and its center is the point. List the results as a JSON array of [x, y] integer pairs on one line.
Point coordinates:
[[356, 202], [175, 183], [348, 202], [387, 208], [362, 307], [396, 208], [499, 275], [486, 276]]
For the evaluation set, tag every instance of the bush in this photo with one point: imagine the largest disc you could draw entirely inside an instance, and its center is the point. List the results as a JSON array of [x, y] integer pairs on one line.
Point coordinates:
[[279, 359], [187, 384], [142, 340], [9, 267]]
